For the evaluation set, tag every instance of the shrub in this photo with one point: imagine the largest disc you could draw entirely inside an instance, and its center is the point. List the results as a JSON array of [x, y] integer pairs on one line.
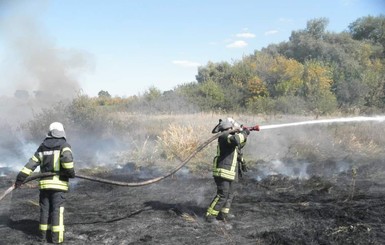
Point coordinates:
[[290, 105], [177, 142], [261, 105]]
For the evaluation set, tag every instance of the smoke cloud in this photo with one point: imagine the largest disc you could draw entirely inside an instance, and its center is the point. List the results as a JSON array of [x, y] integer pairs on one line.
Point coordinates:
[[33, 67], [306, 149], [36, 74], [32, 62]]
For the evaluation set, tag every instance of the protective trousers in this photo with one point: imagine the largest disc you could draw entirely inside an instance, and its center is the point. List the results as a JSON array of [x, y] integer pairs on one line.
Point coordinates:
[[222, 201], [52, 215]]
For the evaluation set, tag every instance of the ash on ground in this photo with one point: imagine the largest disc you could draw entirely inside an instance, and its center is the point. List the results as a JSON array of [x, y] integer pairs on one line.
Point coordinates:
[[348, 208]]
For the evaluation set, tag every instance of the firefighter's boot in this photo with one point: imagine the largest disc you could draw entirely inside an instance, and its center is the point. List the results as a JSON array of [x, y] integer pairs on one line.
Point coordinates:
[[222, 216], [42, 237], [211, 219], [225, 216]]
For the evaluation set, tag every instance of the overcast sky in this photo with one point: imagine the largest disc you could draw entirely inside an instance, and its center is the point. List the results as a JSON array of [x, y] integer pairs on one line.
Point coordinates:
[[127, 46]]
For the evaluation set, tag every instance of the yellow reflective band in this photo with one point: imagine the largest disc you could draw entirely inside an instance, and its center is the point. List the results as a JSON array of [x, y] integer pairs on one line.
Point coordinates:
[[41, 156], [61, 224], [53, 184], [56, 187], [44, 187], [215, 162], [241, 138], [60, 228], [227, 174], [225, 210], [57, 228], [68, 165], [56, 162], [66, 149], [35, 159], [234, 163], [44, 227], [211, 210], [27, 171]]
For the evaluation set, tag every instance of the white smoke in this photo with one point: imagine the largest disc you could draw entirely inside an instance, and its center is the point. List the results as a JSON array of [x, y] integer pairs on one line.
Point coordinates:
[[32, 61], [313, 147], [277, 167], [35, 73], [33, 68], [200, 195]]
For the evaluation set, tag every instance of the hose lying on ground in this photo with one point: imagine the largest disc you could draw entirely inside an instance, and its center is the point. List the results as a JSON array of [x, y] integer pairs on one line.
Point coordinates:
[[120, 183], [151, 181]]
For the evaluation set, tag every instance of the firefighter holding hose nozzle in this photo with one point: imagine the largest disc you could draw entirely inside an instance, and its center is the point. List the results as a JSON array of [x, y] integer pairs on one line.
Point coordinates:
[[228, 164], [54, 155]]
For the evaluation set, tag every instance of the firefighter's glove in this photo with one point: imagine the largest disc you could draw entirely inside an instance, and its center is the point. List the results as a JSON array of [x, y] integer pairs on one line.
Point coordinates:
[[247, 131], [18, 183], [20, 179]]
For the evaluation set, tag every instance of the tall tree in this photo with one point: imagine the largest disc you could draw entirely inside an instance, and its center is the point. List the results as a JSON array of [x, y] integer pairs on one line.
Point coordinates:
[[317, 82], [217, 72], [211, 94], [369, 28], [288, 73], [104, 94]]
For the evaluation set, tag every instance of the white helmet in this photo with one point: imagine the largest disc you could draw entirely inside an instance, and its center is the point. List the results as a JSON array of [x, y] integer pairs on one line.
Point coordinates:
[[235, 123], [226, 124], [56, 130]]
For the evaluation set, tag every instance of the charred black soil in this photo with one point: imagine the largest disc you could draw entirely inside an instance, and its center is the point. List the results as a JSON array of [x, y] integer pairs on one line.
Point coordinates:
[[344, 209]]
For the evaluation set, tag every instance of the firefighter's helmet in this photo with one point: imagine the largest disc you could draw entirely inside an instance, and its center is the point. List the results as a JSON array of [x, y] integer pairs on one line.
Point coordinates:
[[235, 123], [226, 124], [56, 130]]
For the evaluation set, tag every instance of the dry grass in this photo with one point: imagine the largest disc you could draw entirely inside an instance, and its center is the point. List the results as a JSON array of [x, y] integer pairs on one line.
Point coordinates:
[[189, 218], [171, 138], [178, 141], [365, 139], [164, 140]]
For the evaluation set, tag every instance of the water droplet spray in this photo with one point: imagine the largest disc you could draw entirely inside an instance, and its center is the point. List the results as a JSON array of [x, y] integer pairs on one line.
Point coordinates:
[[325, 121]]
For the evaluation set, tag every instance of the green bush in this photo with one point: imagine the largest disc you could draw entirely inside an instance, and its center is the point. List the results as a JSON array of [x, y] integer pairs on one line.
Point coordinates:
[[290, 105], [261, 105]]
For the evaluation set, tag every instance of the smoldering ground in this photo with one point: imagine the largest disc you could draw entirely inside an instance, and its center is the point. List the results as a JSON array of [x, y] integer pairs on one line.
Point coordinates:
[[275, 210]]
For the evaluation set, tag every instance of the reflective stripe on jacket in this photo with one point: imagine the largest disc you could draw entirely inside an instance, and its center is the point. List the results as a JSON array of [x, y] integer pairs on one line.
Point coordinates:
[[54, 155], [225, 162]]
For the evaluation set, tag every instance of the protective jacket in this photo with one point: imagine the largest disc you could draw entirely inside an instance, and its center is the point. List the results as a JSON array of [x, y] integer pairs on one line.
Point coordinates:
[[53, 155], [225, 164]]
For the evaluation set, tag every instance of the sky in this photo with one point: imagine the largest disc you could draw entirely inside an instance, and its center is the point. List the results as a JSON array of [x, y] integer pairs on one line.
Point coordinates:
[[126, 47]]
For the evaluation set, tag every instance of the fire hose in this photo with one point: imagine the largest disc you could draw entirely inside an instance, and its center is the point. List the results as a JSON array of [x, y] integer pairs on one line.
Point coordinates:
[[133, 184]]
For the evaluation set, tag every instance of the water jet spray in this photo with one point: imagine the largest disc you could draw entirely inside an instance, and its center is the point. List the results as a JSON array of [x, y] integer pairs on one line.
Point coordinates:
[[325, 121]]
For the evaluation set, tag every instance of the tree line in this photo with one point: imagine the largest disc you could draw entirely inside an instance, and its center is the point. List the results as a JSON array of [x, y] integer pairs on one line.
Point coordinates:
[[315, 71]]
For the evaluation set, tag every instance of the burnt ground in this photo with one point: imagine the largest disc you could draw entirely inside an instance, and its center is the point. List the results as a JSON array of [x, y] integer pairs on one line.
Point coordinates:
[[341, 209]]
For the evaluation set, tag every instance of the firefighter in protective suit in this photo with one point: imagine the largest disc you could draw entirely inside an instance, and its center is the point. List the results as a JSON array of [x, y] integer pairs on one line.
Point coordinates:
[[227, 165], [54, 155]]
